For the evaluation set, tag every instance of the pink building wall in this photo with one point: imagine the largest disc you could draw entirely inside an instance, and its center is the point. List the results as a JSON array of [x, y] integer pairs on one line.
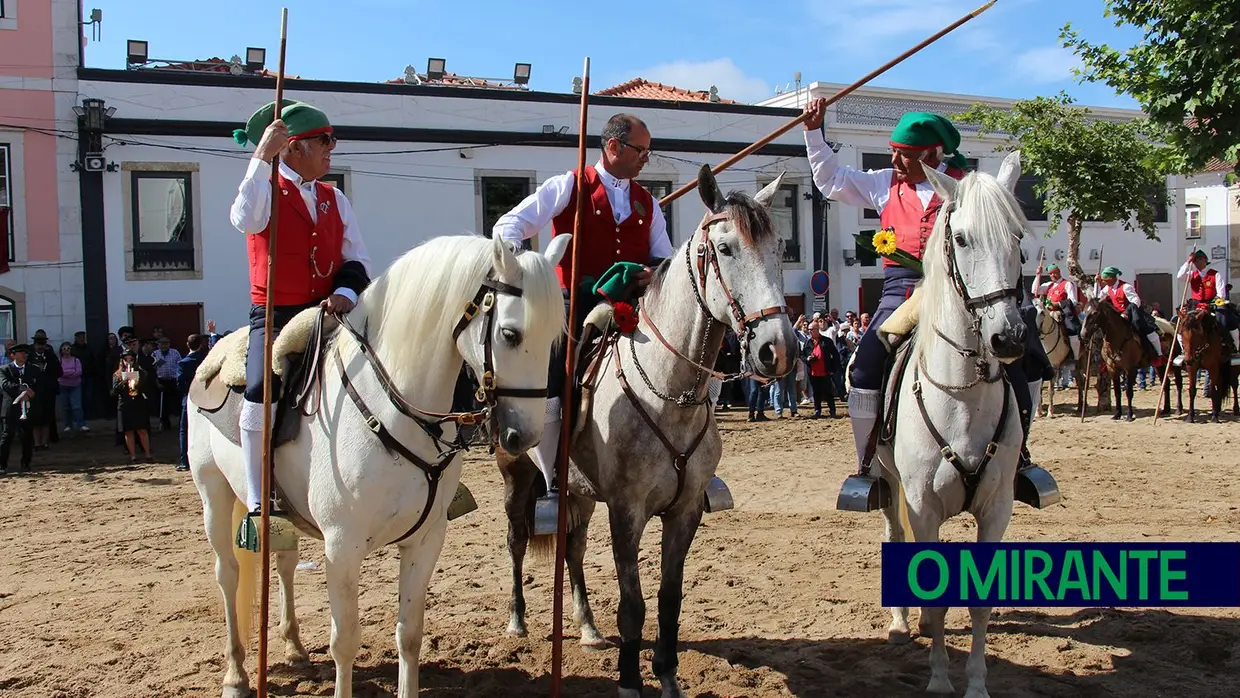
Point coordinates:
[[26, 57]]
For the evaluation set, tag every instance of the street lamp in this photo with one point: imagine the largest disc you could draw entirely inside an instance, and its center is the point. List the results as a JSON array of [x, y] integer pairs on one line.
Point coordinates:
[[255, 59]]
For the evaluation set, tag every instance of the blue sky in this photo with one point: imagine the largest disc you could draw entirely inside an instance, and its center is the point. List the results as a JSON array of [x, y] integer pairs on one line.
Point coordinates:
[[747, 49]]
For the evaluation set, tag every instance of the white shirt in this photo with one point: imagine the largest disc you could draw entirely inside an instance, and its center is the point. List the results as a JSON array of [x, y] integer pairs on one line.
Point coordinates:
[[869, 189], [250, 211], [1103, 291], [1041, 288], [1220, 284], [551, 198]]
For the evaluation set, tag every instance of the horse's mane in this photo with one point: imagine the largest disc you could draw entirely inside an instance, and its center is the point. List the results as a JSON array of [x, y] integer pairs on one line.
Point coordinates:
[[989, 213], [412, 307], [751, 220]]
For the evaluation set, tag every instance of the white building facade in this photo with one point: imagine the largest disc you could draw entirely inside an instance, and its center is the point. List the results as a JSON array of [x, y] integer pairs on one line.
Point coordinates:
[[1212, 223]]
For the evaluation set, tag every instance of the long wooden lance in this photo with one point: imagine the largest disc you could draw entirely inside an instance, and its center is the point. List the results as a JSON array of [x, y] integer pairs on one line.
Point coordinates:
[[264, 533], [831, 100], [1179, 316], [1089, 355], [561, 525]]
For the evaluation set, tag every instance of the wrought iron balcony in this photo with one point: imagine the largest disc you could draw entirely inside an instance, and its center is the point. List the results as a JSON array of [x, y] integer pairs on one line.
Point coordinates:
[[163, 258]]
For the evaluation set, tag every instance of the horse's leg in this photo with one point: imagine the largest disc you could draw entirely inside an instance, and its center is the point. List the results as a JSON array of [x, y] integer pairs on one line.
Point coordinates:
[[217, 515], [574, 558], [1218, 390], [1179, 392], [417, 562], [286, 568], [1050, 399], [1192, 394], [893, 532], [1116, 388], [990, 529], [678, 533], [1131, 383], [926, 524], [518, 504], [626, 536], [344, 562]]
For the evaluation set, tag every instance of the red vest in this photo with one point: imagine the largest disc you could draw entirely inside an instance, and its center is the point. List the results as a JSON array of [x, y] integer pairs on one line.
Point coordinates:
[[1203, 286], [308, 254], [1058, 291], [607, 241], [1118, 298], [912, 222]]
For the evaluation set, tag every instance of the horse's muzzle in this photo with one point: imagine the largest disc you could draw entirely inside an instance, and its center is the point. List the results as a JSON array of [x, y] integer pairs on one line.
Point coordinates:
[[1010, 345]]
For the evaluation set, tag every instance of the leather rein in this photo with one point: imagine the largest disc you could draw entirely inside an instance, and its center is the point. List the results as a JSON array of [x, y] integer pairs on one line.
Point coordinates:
[[483, 303], [706, 255]]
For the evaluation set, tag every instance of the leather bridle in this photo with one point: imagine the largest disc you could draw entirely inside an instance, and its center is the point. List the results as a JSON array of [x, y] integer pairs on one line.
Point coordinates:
[[707, 254]]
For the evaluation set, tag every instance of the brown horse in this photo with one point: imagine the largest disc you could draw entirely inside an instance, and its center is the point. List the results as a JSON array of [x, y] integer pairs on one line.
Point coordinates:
[[1203, 349], [1123, 352], [1091, 346]]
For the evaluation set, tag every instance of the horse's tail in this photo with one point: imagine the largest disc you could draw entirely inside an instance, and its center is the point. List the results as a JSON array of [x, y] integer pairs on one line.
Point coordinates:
[[543, 547], [247, 579]]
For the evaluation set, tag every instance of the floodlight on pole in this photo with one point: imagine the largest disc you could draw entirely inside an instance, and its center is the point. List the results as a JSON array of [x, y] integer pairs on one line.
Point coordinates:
[[521, 74], [135, 51], [255, 59], [436, 68]]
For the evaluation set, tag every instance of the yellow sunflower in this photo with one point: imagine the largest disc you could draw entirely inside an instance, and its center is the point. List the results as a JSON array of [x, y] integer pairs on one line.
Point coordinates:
[[884, 241], [1219, 302]]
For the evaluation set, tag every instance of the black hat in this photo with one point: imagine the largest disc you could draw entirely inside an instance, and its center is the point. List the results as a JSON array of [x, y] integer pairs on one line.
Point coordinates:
[[130, 353], [19, 347], [39, 334]]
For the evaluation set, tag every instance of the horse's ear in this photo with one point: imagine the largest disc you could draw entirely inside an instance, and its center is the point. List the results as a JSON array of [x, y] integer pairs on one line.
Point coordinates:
[[557, 248], [709, 189], [505, 259], [944, 185], [1009, 171], [765, 196]]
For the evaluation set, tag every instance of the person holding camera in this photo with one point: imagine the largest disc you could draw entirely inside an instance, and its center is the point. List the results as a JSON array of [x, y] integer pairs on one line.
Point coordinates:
[[16, 377]]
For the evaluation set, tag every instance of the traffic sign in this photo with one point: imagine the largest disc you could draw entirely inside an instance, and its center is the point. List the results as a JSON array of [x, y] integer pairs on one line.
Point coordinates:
[[820, 282]]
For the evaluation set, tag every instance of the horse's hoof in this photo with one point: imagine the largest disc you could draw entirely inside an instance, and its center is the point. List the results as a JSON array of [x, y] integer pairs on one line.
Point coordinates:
[[629, 693], [236, 692], [941, 686], [899, 637], [1130, 418], [977, 693], [1117, 416], [296, 655], [592, 639], [517, 630]]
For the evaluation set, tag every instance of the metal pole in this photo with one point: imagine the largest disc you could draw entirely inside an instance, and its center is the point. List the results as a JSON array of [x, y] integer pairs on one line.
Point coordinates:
[[831, 100], [264, 534], [561, 529]]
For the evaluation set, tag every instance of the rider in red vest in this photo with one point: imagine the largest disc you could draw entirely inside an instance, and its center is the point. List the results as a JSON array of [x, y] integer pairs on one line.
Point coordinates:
[[321, 259], [1123, 297], [1061, 293], [906, 202], [623, 223], [1207, 286]]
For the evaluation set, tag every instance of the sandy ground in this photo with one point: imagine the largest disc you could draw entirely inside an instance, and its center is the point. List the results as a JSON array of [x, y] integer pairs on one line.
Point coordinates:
[[107, 585]]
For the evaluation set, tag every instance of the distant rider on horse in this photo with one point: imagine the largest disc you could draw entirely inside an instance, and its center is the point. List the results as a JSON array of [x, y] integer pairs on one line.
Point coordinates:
[[1208, 287], [1061, 294], [1123, 297], [907, 203], [322, 260], [623, 224]]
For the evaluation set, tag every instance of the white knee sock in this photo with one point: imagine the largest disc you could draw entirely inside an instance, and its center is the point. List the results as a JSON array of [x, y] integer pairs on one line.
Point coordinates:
[[1075, 343], [1235, 338], [863, 413], [1157, 342], [548, 448], [251, 423], [1035, 398]]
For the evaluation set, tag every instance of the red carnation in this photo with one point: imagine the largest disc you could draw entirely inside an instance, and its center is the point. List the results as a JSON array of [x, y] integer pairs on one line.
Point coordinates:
[[625, 317]]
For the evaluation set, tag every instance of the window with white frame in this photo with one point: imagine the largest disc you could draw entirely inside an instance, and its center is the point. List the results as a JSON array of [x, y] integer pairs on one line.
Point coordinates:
[[501, 194], [8, 221], [163, 221], [6, 319], [784, 214], [1192, 226], [659, 189], [337, 180]]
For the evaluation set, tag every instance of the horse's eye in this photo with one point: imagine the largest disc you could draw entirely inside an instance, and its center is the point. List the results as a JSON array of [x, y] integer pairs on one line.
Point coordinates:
[[724, 249], [960, 241], [511, 337]]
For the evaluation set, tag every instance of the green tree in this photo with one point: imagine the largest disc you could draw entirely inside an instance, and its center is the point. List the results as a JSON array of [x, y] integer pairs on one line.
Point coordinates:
[[1184, 74], [1090, 169]]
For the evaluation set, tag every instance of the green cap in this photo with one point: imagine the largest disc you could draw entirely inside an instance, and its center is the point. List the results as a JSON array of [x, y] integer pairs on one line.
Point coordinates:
[[1052, 267], [1202, 254], [301, 119], [1111, 273], [921, 130], [618, 283]]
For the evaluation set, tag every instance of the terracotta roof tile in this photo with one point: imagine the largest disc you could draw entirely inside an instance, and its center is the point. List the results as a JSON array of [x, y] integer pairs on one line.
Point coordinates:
[[641, 88], [213, 65], [461, 81]]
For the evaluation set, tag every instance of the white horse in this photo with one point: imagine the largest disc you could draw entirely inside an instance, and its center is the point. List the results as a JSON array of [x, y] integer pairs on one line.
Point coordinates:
[[362, 482], [649, 445], [954, 393], [1058, 347]]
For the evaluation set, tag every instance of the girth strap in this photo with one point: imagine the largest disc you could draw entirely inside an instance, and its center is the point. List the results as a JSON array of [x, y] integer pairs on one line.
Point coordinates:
[[433, 472], [679, 459], [971, 478]]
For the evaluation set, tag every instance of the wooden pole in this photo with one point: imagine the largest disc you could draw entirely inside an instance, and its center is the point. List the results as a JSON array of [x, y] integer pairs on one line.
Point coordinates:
[[561, 527], [831, 100], [1162, 388], [264, 534]]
